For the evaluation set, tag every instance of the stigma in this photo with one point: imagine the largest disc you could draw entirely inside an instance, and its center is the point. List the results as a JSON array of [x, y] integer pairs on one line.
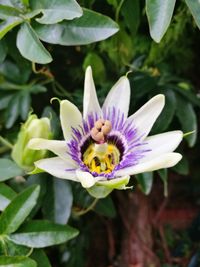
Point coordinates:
[[101, 157], [100, 130]]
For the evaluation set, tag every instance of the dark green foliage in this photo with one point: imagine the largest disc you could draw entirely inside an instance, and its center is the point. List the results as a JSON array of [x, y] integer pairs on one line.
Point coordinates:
[[33, 31]]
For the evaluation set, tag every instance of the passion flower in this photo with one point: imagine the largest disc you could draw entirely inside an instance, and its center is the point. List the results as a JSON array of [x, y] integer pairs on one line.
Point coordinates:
[[104, 147]]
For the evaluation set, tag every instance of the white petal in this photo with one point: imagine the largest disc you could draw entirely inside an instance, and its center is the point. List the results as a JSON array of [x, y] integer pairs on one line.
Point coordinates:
[[86, 178], [56, 167], [163, 161], [145, 117], [90, 100], [161, 144], [57, 147], [119, 96], [70, 117]]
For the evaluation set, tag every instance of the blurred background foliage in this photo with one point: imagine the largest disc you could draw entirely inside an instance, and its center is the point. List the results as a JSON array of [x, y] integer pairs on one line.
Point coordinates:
[[159, 44]]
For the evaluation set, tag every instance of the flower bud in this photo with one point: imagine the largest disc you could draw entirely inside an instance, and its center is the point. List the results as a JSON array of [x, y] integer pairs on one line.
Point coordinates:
[[32, 128]]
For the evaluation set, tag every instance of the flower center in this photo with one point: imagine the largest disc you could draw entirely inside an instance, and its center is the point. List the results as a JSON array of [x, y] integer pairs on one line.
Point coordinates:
[[101, 158]]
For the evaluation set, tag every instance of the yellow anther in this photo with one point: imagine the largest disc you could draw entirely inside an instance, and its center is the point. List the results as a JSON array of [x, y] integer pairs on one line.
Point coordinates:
[[101, 160]]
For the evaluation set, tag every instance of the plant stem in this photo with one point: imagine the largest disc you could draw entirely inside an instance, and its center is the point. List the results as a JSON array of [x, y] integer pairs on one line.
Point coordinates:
[[6, 142], [29, 253], [4, 246], [118, 10], [84, 211]]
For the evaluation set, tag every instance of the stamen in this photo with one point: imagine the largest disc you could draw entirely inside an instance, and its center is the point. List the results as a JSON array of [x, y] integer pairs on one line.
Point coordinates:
[[101, 158], [100, 130]]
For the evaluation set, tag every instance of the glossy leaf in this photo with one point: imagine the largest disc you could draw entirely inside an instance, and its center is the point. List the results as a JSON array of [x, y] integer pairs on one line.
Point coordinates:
[[89, 28], [6, 195], [194, 6], [11, 71], [8, 11], [97, 65], [8, 25], [25, 104], [14, 249], [159, 15], [106, 207], [41, 180], [8, 169], [25, 2], [30, 46], [13, 3], [41, 258], [18, 210], [12, 111], [3, 51], [167, 114], [145, 181], [131, 13], [40, 234], [56, 11], [187, 117], [182, 167], [58, 202], [16, 262]]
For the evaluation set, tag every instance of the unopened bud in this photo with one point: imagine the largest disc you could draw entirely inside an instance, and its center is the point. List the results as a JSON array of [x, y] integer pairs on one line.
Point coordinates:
[[32, 128]]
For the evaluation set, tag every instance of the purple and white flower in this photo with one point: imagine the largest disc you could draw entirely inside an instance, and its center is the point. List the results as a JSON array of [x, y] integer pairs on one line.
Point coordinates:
[[104, 147]]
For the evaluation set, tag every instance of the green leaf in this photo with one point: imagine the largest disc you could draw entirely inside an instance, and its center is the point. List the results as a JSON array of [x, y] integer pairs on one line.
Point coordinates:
[[10, 71], [12, 111], [89, 28], [14, 249], [131, 13], [41, 180], [8, 11], [159, 15], [6, 195], [8, 169], [194, 6], [114, 3], [13, 3], [40, 234], [145, 181], [25, 2], [163, 173], [57, 10], [106, 207], [41, 258], [189, 95], [187, 117], [143, 84], [8, 25], [58, 202], [25, 104], [3, 50], [182, 167], [18, 210], [16, 262], [96, 62], [164, 120], [30, 46], [10, 17], [4, 100]]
